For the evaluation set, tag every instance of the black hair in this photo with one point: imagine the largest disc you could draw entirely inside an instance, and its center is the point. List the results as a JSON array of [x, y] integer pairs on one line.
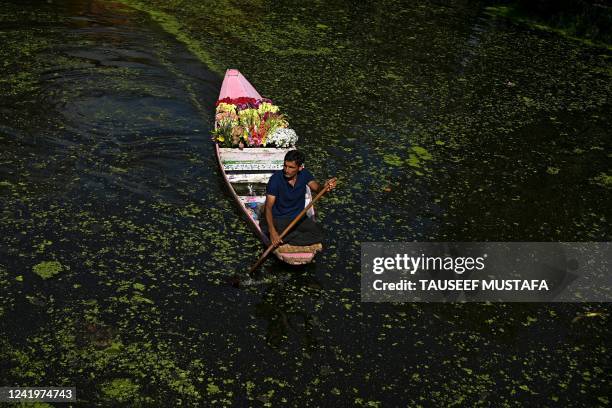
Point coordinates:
[[296, 156]]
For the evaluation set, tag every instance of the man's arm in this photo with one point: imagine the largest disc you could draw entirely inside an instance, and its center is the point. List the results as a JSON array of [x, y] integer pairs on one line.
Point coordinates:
[[274, 237], [315, 187]]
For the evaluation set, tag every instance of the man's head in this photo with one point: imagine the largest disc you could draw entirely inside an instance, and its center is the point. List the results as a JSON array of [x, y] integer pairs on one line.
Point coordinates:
[[294, 163]]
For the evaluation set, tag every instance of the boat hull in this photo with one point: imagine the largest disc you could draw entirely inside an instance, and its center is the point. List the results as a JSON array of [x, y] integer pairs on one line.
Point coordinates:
[[251, 168], [294, 255]]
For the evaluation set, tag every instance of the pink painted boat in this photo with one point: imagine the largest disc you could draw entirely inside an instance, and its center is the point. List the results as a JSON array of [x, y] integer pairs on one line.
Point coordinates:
[[246, 173]]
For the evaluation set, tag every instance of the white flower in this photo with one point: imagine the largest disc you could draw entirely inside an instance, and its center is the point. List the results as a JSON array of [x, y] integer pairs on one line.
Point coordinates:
[[282, 137]]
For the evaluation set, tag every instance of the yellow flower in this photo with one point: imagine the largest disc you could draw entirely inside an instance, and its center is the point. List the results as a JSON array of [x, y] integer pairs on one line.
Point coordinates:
[[249, 117], [246, 113], [226, 107], [267, 107]]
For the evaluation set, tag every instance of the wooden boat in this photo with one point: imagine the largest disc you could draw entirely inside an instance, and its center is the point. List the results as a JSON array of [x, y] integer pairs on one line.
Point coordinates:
[[246, 172]]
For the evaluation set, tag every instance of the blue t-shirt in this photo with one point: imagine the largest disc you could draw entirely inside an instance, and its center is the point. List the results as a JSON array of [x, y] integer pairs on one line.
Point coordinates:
[[290, 200]]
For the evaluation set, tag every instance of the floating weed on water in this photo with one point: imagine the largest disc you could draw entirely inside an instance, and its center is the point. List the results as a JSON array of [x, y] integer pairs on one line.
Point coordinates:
[[514, 13], [603, 180], [361, 402], [48, 269], [392, 160], [41, 247], [212, 388], [589, 315], [121, 390], [174, 27], [421, 152], [417, 156], [139, 286]]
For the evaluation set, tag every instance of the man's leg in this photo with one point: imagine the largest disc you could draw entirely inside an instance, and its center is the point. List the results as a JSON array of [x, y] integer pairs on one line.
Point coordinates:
[[264, 226], [279, 223], [306, 232]]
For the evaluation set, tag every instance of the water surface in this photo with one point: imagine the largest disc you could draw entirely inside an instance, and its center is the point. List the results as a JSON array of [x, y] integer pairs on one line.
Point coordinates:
[[442, 123]]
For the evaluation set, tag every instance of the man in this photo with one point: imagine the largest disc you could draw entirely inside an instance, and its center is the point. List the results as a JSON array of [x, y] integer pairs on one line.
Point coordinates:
[[285, 199]]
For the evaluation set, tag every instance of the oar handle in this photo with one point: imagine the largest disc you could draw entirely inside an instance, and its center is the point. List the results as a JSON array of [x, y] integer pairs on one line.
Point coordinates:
[[286, 230]]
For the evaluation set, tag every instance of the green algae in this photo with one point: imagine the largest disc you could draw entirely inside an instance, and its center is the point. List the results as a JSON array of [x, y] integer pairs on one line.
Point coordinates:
[[48, 269], [512, 12], [418, 157], [392, 159], [171, 25], [120, 390], [152, 305], [212, 389], [604, 180], [139, 286]]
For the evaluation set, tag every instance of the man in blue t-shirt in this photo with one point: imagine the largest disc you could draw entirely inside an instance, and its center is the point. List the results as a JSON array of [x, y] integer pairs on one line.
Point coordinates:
[[285, 199]]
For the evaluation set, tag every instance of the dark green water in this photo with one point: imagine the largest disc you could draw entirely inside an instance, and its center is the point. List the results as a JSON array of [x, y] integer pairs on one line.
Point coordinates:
[[442, 123]]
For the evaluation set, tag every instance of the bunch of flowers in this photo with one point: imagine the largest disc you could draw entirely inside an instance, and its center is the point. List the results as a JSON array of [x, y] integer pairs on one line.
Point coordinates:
[[244, 102], [248, 122], [283, 137]]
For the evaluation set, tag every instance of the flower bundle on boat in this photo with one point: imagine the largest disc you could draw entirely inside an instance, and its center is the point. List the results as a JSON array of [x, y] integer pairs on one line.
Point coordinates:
[[251, 122]]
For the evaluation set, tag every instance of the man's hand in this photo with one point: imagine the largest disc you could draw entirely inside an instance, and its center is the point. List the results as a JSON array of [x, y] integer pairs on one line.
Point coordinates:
[[275, 238], [330, 184]]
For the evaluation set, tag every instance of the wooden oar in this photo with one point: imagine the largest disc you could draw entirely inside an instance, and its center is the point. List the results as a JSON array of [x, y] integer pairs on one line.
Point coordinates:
[[295, 220]]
